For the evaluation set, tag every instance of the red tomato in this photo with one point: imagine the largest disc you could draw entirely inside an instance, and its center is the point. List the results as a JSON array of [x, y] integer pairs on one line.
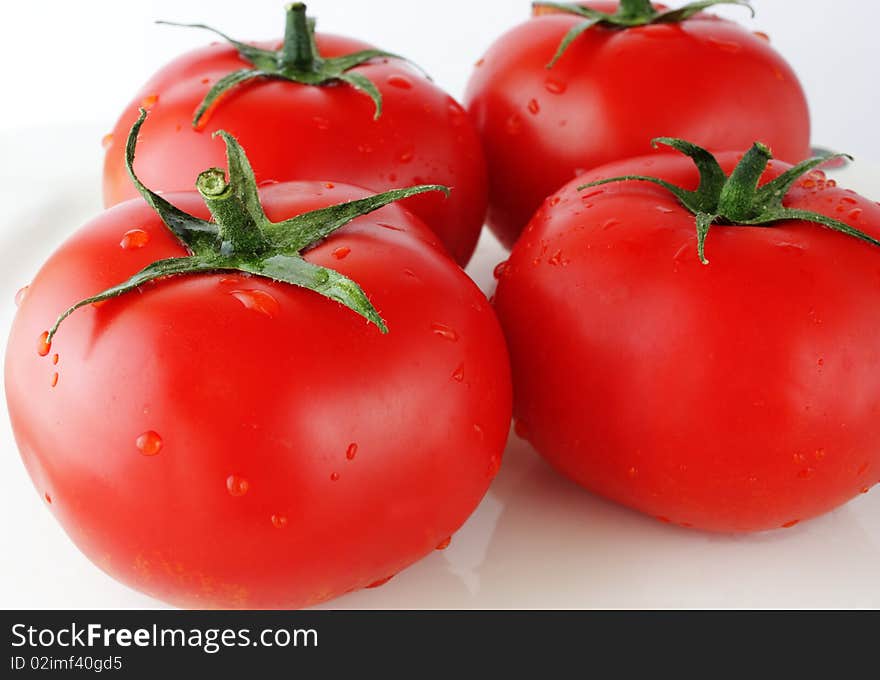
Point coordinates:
[[303, 132], [223, 441], [735, 396], [613, 90]]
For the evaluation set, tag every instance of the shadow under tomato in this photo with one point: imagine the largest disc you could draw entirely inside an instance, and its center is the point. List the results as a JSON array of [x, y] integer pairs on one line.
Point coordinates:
[[540, 541]]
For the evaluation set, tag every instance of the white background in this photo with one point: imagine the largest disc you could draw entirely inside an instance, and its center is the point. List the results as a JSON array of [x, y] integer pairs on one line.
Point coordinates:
[[536, 540], [80, 62]]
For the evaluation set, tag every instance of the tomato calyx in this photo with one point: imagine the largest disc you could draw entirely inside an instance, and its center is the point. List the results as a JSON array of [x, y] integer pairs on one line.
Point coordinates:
[[629, 14], [298, 61], [241, 238], [737, 200]]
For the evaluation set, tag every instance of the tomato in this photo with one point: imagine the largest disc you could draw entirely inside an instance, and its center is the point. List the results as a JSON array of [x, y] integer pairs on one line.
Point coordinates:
[[296, 131], [739, 395], [613, 90], [224, 440]]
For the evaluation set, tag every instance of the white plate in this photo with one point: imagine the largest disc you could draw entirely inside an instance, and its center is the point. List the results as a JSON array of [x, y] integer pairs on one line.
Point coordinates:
[[536, 541]]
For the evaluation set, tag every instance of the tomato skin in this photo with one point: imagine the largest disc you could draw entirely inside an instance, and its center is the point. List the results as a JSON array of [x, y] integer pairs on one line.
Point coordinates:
[[300, 132], [706, 80], [256, 497], [742, 395]]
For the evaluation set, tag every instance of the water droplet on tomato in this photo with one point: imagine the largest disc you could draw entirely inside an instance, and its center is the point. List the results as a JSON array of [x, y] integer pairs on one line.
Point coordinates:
[[134, 239], [521, 429], [632, 472], [592, 194], [329, 185], [494, 465], [864, 489], [257, 301], [53, 381], [389, 226], [610, 224], [820, 363], [279, 521], [43, 344], [444, 332], [205, 81], [789, 525], [20, 295], [863, 468], [556, 259], [514, 125], [761, 35], [458, 373], [334, 477], [806, 473], [556, 200], [534, 107], [808, 183], [411, 274], [442, 545], [321, 123], [855, 214], [149, 101], [457, 115], [400, 82], [554, 86], [663, 209], [54, 359], [351, 451], [799, 458], [48, 498], [830, 183], [819, 454], [341, 252], [500, 269], [725, 45], [380, 582], [237, 486], [661, 518], [148, 443], [794, 248], [479, 63], [107, 140], [406, 156], [848, 200]]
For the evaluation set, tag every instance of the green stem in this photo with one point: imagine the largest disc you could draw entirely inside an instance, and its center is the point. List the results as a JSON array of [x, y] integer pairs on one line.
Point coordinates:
[[239, 233], [243, 239], [737, 198], [629, 14], [636, 10], [299, 51], [298, 60]]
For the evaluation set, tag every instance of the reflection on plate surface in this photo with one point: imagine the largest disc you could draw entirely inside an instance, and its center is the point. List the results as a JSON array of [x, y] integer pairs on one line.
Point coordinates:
[[536, 541]]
